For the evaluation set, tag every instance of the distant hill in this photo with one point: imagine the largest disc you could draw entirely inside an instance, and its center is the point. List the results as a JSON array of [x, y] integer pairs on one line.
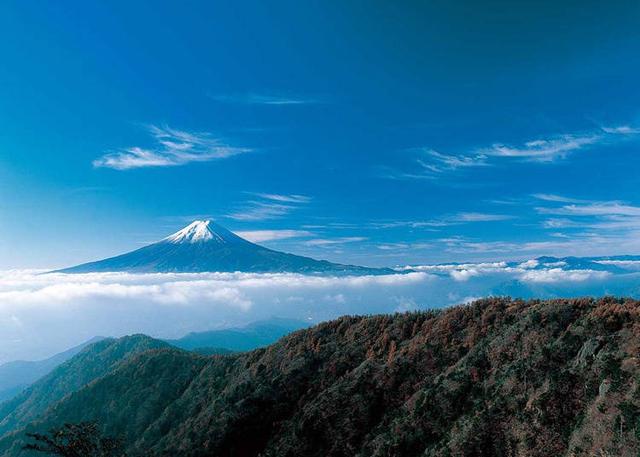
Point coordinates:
[[204, 246], [16, 376], [89, 364], [254, 335], [495, 378]]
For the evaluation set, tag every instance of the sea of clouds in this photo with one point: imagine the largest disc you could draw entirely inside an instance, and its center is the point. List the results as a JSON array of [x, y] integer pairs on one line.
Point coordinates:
[[42, 314]]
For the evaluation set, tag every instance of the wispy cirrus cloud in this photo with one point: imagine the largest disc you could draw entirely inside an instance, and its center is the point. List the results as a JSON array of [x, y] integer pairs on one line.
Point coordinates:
[[258, 236], [583, 207], [480, 217], [545, 149], [268, 206], [622, 130], [607, 208], [432, 164], [557, 198], [581, 239], [293, 198], [560, 146], [172, 148], [399, 246], [251, 98], [446, 220], [559, 223], [610, 218], [259, 211], [334, 241], [474, 248], [437, 162]]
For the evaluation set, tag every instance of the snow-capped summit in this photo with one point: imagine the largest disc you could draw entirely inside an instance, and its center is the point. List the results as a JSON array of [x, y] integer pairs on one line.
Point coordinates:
[[202, 231], [204, 246]]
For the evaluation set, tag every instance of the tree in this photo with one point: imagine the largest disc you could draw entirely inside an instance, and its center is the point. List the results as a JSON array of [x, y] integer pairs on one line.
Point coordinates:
[[76, 440]]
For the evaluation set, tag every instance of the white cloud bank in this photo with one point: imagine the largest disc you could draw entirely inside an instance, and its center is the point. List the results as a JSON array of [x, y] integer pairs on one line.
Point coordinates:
[[41, 314], [524, 272]]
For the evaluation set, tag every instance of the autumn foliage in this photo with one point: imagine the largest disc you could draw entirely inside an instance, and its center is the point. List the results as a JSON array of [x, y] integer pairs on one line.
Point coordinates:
[[498, 377]]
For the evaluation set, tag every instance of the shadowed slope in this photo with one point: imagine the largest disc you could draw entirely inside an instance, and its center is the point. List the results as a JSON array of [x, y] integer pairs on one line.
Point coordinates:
[[16, 376], [89, 364], [252, 336], [497, 377]]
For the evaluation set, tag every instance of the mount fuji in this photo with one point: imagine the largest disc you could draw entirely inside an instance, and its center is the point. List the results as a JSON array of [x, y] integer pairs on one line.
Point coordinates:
[[204, 246]]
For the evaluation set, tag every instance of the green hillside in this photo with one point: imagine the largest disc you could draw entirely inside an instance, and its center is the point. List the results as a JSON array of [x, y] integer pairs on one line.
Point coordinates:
[[494, 378], [91, 363]]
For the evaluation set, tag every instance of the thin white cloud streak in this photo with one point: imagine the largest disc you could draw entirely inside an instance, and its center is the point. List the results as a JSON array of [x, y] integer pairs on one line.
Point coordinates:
[[258, 236], [595, 243], [557, 198], [441, 163], [610, 224], [173, 148], [260, 211], [446, 220], [271, 206], [263, 99], [291, 198], [404, 246], [334, 241], [559, 223], [480, 217], [544, 150], [622, 130], [611, 208], [462, 246], [560, 146], [457, 266], [434, 164]]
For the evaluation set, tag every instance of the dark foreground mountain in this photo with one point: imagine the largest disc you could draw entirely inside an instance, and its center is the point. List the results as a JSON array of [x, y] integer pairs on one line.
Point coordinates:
[[204, 246], [494, 378], [88, 365], [15, 377], [18, 375]]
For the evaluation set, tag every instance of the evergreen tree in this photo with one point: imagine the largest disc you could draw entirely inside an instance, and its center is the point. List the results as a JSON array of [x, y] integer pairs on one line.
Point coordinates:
[[75, 440]]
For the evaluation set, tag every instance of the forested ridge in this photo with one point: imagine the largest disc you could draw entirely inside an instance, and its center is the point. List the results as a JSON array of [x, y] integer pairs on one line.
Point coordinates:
[[498, 377], [90, 364]]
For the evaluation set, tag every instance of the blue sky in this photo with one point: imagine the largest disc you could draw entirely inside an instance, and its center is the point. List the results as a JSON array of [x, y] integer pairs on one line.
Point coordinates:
[[363, 132]]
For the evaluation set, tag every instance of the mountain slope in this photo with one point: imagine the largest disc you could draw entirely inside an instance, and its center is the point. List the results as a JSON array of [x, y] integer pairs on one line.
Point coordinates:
[[89, 364], [497, 377], [16, 376], [252, 336], [204, 246]]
